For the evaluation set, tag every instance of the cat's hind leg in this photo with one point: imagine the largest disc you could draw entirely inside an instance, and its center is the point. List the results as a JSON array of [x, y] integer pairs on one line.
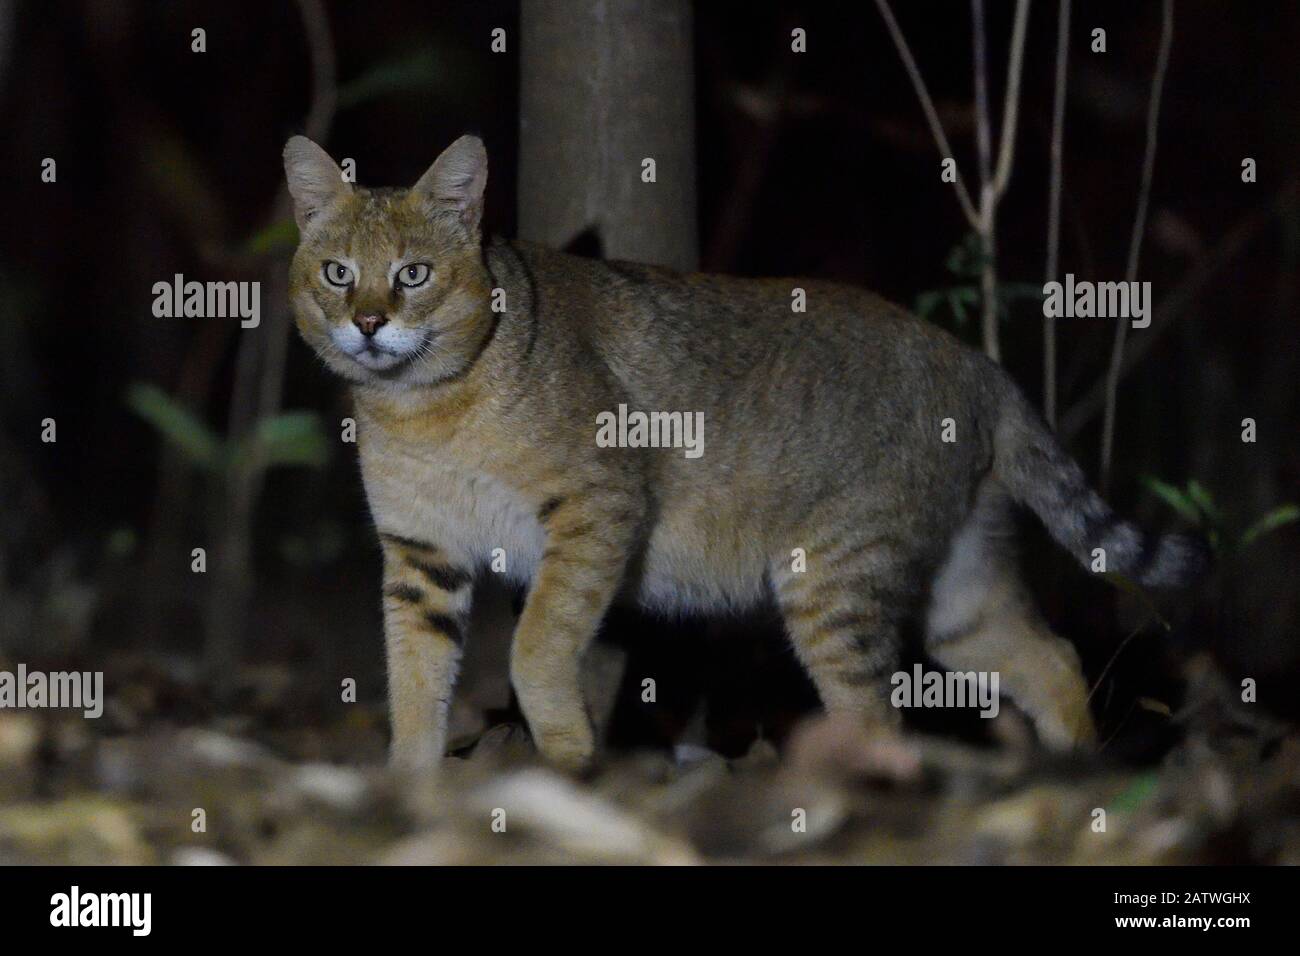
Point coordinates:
[[842, 610], [983, 619]]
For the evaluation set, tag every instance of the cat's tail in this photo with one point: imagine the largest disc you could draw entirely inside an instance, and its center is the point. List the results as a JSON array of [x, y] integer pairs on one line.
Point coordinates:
[[1033, 466]]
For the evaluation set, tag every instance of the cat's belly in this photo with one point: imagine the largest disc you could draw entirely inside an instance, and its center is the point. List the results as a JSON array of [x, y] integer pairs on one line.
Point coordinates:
[[699, 557], [698, 563]]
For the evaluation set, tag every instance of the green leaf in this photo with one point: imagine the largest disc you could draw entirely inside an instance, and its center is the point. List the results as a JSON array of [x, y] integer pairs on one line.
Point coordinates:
[[1275, 519], [958, 310], [178, 425], [956, 260], [282, 234], [1180, 501], [1201, 496], [959, 298], [967, 257], [415, 71], [1142, 788], [291, 438]]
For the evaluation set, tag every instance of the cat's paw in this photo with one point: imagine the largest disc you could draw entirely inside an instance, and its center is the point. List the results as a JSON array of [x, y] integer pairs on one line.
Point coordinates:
[[572, 749], [1064, 733]]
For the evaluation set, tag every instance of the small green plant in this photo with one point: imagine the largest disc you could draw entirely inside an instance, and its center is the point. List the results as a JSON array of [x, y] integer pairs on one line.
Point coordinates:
[[279, 236], [1196, 504], [966, 261], [286, 439]]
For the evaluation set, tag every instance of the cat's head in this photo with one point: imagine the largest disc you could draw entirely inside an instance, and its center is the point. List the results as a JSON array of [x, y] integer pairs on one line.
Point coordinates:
[[388, 285]]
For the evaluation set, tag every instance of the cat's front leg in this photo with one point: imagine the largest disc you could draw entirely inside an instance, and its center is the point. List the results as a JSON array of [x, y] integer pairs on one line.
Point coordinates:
[[426, 612], [583, 565]]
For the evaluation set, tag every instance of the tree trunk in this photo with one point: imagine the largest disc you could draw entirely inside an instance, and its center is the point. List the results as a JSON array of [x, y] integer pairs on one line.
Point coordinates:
[[605, 86]]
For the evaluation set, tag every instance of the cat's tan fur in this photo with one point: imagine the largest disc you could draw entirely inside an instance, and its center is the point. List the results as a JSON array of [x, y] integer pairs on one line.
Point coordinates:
[[823, 433]]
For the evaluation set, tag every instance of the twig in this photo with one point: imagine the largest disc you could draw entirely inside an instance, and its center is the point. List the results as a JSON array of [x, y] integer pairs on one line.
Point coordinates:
[[1102, 677], [988, 202], [993, 184], [1135, 242], [1054, 206], [1118, 727], [983, 140], [927, 106], [320, 116], [1110, 663], [1011, 104]]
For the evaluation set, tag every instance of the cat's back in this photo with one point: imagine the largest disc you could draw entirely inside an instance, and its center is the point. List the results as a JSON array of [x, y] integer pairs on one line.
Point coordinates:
[[709, 335]]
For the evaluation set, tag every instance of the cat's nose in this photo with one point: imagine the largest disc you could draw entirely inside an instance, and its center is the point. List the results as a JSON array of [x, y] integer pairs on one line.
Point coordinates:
[[369, 324]]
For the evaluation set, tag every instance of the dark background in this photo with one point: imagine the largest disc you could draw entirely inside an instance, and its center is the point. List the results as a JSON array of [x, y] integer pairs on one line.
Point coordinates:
[[169, 161]]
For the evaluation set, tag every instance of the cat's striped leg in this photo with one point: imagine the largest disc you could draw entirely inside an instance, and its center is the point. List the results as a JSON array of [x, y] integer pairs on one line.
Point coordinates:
[[581, 571], [842, 614], [426, 611]]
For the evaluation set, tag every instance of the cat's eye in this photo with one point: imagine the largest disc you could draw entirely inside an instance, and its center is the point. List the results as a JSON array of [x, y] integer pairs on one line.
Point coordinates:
[[337, 274], [413, 276]]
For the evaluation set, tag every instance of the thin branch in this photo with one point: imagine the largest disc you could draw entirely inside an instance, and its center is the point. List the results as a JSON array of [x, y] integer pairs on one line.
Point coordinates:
[[993, 184], [320, 117], [1118, 727], [1111, 663], [983, 139], [1054, 206], [927, 106], [1011, 104], [1135, 242], [989, 271], [988, 202]]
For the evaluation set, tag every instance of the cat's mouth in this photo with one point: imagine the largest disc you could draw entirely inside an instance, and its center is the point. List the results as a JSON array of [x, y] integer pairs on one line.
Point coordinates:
[[378, 359]]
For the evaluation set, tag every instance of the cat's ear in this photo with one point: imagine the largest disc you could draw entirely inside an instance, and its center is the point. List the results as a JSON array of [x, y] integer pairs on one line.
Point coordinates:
[[455, 181], [315, 180]]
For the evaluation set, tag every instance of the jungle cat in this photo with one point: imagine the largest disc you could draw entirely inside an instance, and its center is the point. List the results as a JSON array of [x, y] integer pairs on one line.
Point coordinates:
[[858, 465]]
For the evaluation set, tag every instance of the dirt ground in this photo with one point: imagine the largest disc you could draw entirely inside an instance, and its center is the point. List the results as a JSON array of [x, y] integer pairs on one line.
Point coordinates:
[[165, 777]]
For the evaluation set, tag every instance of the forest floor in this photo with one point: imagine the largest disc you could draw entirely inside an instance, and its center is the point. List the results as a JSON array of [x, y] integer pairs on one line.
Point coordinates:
[[164, 777]]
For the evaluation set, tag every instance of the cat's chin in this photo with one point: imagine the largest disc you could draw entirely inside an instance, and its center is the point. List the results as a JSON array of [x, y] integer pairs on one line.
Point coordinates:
[[374, 360]]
